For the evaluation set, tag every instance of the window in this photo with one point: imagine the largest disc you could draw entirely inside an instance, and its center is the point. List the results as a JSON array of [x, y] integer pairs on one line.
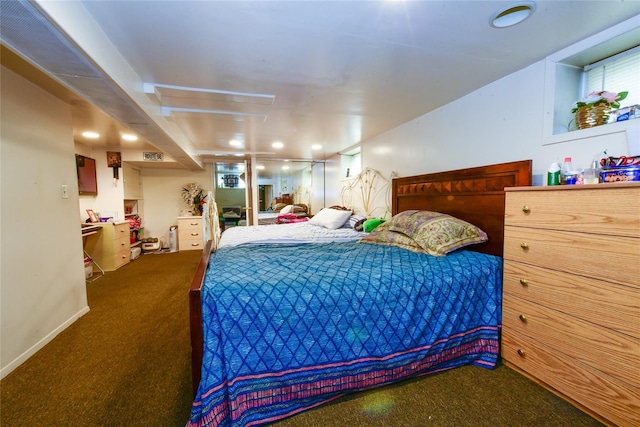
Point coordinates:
[[351, 162], [571, 72], [230, 175], [618, 73]]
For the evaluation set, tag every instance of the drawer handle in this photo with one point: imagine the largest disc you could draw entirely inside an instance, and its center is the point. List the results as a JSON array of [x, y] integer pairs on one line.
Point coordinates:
[[523, 317], [520, 352], [195, 234], [524, 245], [524, 282], [122, 243], [194, 223], [195, 244], [526, 209]]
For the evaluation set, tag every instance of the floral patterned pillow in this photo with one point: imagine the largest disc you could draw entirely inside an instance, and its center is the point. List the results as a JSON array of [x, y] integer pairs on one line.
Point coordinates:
[[436, 233], [382, 236]]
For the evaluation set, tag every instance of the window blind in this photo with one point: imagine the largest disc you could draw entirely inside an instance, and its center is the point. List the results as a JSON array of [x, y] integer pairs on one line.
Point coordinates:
[[618, 73]]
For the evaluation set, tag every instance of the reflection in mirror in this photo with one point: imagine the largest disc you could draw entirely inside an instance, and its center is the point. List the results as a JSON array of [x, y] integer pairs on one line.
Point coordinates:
[[295, 183], [231, 193]]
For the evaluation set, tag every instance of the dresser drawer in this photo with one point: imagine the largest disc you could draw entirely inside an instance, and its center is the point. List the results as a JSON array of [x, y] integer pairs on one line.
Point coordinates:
[[610, 398], [604, 303], [194, 223], [577, 209], [191, 244], [609, 258], [122, 257], [122, 247], [192, 234], [121, 230], [609, 351]]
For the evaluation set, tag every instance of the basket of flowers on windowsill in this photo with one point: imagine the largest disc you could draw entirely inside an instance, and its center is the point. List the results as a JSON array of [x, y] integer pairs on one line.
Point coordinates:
[[594, 109]]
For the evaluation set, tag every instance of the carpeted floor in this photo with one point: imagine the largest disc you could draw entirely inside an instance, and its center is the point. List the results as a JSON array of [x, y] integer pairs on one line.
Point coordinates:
[[127, 363]]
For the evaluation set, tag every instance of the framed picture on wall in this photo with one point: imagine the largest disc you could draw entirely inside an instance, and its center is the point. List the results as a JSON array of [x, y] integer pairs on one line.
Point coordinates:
[[92, 216]]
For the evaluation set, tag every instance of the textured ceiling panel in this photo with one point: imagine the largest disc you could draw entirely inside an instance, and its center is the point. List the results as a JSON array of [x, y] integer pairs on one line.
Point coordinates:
[[25, 30]]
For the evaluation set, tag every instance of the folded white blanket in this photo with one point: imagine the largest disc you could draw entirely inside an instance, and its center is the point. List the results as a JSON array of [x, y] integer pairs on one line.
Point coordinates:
[[286, 233]]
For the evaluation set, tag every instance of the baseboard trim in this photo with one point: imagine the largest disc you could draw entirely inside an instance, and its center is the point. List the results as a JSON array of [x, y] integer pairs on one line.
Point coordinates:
[[6, 370]]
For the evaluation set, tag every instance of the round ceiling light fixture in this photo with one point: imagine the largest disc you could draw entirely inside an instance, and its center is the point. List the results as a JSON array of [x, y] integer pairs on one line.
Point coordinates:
[[513, 14]]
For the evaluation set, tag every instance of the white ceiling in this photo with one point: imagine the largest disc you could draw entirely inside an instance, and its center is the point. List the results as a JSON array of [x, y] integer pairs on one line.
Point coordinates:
[[336, 72]]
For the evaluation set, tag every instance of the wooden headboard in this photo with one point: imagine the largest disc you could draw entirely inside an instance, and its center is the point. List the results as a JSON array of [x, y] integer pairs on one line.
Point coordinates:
[[475, 195]]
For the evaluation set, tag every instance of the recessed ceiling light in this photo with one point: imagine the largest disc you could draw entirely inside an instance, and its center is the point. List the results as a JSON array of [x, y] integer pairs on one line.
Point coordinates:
[[277, 145], [284, 168], [512, 14], [316, 147], [92, 135], [260, 167], [129, 137], [235, 143]]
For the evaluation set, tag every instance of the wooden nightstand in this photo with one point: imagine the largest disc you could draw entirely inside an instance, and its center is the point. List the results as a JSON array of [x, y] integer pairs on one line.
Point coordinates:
[[190, 233]]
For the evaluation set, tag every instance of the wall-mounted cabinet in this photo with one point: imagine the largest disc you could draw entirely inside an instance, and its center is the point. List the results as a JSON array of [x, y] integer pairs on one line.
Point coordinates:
[[131, 182]]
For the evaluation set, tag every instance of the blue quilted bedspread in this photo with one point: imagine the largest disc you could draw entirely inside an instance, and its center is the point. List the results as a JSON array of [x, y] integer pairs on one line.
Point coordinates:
[[289, 327]]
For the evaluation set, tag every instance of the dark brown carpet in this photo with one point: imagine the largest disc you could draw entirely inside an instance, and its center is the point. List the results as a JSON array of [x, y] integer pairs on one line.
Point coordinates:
[[127, 363]]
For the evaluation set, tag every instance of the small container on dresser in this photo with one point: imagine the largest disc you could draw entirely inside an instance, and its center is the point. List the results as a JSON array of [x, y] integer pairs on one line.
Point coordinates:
[[190, 233], [571, 303]]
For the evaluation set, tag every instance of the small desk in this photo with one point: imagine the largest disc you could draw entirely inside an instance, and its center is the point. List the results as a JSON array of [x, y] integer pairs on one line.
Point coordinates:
[[88, 230]]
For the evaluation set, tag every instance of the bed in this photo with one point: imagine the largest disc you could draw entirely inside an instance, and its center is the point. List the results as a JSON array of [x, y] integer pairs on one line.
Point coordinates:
[[291, 234], [303, 324], [284, 214]]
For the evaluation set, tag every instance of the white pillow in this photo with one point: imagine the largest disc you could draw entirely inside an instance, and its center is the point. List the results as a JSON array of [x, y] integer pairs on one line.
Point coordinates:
[[287, 209], [330, 218]]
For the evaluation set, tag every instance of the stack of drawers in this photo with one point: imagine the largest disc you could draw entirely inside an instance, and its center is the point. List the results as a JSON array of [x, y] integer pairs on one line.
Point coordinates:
[[571, 306], [111, 247], [190, 233]]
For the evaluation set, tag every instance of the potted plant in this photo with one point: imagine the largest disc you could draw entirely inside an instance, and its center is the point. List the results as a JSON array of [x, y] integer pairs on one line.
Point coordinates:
[[193, 195], [593, 110]]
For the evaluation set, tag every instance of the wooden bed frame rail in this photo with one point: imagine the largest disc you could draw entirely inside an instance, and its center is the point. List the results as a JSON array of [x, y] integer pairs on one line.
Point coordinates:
[[195, 316], [475, 195]]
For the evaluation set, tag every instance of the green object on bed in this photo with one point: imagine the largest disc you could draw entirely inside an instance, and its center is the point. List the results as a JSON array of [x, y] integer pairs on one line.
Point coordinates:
[[371, 224]]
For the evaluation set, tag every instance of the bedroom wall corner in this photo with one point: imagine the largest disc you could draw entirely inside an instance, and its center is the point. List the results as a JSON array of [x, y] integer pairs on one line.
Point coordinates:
[[42, 284], [163, 198]]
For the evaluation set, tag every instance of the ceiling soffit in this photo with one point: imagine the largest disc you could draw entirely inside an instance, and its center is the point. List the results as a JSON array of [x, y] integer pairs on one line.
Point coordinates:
[[29, 31]]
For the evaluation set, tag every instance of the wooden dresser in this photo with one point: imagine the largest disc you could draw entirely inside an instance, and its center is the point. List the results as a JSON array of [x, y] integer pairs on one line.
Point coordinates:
[[571, 303], [190, 233], [111, 247]]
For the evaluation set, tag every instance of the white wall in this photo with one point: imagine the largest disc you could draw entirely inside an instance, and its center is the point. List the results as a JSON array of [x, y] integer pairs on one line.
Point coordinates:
[[500, 122], [42, 276]]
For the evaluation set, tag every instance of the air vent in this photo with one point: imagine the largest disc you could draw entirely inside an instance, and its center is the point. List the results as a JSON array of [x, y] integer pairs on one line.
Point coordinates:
[[25, 30]]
